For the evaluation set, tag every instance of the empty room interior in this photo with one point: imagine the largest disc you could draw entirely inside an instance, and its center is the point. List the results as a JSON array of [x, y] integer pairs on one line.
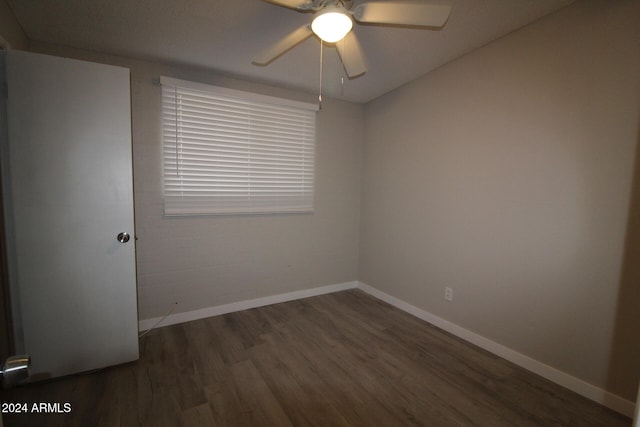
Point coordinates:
[[211, 216]]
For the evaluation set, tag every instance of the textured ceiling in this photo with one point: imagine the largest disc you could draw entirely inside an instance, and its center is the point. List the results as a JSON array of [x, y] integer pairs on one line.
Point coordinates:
[[224, 35]]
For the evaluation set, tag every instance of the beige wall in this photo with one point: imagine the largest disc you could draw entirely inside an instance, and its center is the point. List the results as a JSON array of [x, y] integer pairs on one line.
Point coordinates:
[[506, 175], [10, 30], [207, 261]]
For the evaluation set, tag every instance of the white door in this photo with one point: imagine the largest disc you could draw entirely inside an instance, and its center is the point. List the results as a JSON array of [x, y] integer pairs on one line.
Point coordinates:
[[69, 196]]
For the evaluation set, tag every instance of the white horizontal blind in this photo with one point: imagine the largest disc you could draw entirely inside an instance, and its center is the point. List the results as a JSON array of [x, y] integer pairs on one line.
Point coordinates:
[[227, 152]]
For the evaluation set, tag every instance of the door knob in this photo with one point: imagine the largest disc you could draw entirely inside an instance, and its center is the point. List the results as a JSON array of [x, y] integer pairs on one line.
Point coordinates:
[[123, 237]]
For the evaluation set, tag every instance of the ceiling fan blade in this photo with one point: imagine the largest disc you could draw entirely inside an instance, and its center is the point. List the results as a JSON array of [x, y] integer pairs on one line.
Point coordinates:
[[288, 42], [351, 54], [424, 15], [292, 4]]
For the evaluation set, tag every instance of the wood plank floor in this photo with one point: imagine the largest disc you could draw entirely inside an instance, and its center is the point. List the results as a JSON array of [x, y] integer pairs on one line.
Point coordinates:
[[344, 359]]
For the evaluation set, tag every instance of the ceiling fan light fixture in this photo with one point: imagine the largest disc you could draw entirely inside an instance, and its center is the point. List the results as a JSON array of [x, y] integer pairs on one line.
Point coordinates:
[[331, 24]]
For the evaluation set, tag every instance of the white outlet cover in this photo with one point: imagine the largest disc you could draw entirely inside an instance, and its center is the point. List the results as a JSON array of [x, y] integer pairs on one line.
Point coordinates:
[[448, 294]]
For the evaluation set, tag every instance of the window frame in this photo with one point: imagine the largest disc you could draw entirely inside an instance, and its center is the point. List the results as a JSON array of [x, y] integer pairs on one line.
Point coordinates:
[[269, 190]]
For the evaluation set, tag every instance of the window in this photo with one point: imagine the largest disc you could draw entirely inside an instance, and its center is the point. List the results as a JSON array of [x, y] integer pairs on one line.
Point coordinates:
[[230, 152]]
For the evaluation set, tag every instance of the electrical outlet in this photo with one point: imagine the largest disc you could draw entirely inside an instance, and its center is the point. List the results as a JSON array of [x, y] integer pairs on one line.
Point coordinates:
[[448, 294]]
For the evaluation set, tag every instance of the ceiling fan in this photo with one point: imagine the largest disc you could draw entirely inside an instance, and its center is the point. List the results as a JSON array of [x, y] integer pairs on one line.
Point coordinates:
[[333, 20]]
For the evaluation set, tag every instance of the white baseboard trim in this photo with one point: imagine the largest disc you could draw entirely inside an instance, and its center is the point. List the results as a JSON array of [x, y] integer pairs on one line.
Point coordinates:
[[577, 385], [188, 316]]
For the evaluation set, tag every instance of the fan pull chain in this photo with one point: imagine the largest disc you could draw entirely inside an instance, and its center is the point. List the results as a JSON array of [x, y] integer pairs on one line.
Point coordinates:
[[343, 70], [320, 85], [175, 105]]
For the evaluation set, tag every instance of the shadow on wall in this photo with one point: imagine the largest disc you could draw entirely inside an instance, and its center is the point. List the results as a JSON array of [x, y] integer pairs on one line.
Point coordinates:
[[624, 365]]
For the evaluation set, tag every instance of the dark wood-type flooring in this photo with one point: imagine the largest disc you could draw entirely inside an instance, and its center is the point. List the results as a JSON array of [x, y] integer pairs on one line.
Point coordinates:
[[344, 359]]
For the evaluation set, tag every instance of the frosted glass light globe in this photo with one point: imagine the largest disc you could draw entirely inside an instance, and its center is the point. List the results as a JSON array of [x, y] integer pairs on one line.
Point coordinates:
[[331, 24]]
